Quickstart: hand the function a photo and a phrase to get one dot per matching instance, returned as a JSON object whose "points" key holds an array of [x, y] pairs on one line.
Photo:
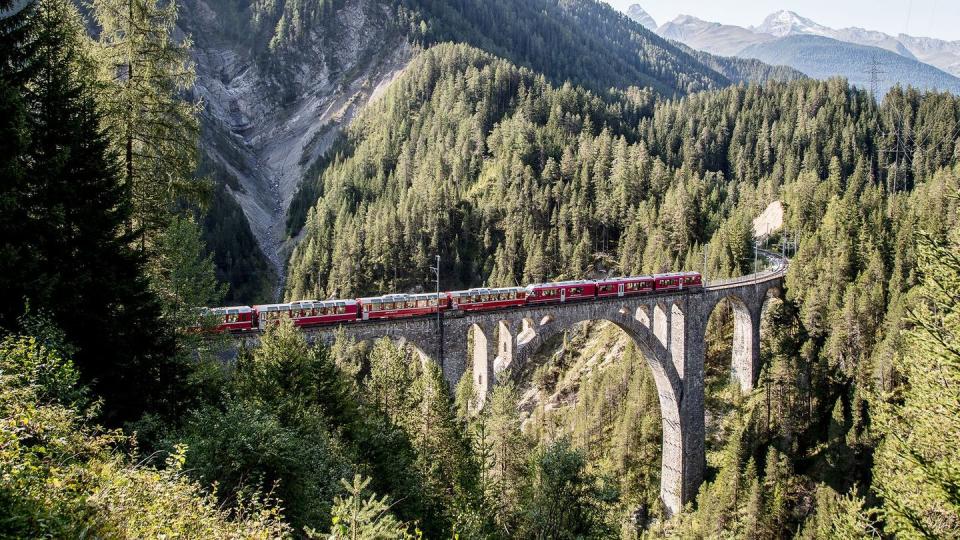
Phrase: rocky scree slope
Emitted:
{"points": [[274, 99], [281, 78]]}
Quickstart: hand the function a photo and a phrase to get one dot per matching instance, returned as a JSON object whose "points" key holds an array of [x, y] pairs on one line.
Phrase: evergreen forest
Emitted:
{"points": [[123, 416]]}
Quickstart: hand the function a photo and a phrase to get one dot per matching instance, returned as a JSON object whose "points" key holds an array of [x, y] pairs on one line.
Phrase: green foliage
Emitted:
{"points": [[359, 518], [143, 72], [182, 273], [916, 465], [66, 478], [63, 251], [563, 499], [275, 429]]}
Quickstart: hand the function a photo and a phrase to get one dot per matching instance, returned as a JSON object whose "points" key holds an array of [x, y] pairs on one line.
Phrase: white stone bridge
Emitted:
{"points": [[669, 329]]}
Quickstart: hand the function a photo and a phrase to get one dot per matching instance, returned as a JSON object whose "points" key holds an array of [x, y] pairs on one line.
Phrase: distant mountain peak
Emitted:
{"points": [[640, 15], [785, 23]]}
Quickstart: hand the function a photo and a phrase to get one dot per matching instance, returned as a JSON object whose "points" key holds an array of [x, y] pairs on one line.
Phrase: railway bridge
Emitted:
{"points": [[669, 329]]}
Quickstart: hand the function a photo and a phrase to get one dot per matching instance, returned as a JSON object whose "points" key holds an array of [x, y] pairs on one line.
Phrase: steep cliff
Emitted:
{"points": [[274, 98]]}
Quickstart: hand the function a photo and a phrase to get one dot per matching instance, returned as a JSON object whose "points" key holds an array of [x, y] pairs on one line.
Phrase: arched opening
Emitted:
{"points": [[730, 363], [643, 316], [611, 387], [528, 331], [481, 363], [660, 327]]}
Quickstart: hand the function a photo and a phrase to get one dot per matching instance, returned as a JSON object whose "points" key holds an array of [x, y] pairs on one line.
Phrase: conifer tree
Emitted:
{"points": [[916, 463], [145, 76], [359, 516], [76, 265]]}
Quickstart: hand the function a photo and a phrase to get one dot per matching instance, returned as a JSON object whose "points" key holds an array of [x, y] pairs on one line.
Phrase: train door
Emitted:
{"points": [[563, 294], [619, 289], [364, 309]]}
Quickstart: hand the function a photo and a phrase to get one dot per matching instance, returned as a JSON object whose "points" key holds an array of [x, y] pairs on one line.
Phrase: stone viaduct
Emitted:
{"points": [[669, 329]]}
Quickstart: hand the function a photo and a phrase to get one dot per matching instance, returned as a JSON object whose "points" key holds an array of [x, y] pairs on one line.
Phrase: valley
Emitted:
{"points": [[488, 269]]}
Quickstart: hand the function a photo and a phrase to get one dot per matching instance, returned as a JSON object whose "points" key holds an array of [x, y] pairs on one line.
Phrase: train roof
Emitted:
{"points": [[569, 283], [485, 290], [305, 304], [231, 309], [621, 279], [399, 298], [322, 303]]}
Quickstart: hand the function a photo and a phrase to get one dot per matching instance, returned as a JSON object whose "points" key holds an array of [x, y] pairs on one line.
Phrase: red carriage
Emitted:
{"points": [[393, 306], [231, 319], [484, 299], [564, 291]]}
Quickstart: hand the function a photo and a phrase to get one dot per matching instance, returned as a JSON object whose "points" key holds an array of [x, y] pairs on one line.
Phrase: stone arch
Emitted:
{"points": [[745, 357], [506, 342], [682, 458], [482, 359], [642, 315]]}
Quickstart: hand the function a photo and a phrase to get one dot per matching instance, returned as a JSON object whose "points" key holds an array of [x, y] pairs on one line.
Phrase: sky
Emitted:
{"points": [[926, 18]]}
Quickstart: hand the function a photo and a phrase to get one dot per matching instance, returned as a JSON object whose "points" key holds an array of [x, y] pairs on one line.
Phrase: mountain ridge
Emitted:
{"points": [[719, 38], [788, 38]]}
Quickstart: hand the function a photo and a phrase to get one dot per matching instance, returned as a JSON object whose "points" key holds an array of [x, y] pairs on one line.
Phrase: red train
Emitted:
{"points": [[400, 306]]}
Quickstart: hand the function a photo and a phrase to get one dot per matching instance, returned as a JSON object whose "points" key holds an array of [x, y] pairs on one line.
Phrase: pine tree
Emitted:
{"points": [[358, 516], [145, 74], [77, 266], [182, 274], [916, 463]]}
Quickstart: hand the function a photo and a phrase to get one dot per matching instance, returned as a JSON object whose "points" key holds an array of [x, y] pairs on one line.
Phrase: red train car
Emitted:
{"points": [[268, 314], [232, 319], [679, 281], [484, 299], [625, 286], [564, 291], [393, 306], [312, 312]]}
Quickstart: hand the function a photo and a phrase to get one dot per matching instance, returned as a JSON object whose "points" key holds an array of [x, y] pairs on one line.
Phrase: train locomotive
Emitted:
{"points": [[306, 313]]}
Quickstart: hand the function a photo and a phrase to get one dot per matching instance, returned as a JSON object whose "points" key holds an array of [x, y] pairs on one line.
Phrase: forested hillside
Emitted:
{"points": [[279, 80], [516, 180], [120, 418]]}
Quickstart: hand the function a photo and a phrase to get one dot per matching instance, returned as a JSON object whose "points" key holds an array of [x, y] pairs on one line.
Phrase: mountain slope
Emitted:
{"points": [[822, 58], [584, 41], [281, 79], [716, 38], [744, 70], [638, 14]]}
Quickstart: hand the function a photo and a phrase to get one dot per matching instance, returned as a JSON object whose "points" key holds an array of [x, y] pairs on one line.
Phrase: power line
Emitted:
{"points": [[875, 71]]}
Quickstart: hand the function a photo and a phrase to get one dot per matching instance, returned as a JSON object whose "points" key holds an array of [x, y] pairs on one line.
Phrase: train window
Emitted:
{"points": [[433, 302], [411, 303]]}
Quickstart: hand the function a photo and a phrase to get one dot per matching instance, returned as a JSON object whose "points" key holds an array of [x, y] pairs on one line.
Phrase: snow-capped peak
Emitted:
{"points": [[640, 15], [785, 23]]}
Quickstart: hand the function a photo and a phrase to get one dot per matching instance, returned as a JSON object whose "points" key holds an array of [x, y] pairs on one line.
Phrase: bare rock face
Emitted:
{"points": [[270, 113]]}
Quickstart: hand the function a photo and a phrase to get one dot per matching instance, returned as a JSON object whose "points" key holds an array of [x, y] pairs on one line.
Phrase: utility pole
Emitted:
{"points": [[436, 270], [754, 261], [705, 246]]}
